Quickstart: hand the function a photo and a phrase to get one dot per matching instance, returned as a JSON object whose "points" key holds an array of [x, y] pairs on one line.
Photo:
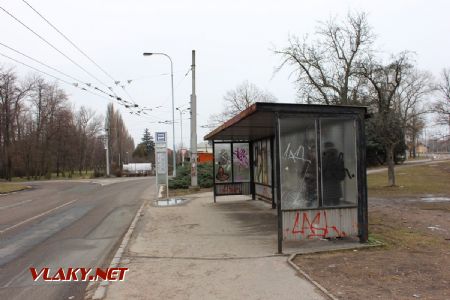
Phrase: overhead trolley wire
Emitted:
{"points": [[121, 101], [31, 67], [82, 52], [62, 73], [67, 39], [62, 80], [52, 46], [53, 76], [44, 64]]}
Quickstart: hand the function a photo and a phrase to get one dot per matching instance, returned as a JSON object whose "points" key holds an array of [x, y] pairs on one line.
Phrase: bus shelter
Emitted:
{"points": [[307, 160]]}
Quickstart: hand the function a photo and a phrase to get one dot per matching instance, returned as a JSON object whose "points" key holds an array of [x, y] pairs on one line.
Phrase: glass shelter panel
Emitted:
{"points": [[222, 167], [298, 163], [241, 162], [338, 160], [262, 162]]}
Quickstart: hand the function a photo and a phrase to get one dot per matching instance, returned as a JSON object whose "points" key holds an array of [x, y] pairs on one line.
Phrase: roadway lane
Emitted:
{"points": [[64, 224]]}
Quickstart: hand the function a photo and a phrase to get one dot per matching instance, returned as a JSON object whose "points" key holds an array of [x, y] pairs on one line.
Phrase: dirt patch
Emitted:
{"points": [[413, 264]]}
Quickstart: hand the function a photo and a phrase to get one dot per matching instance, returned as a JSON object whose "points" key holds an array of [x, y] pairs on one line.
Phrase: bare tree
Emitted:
{"points": [[326, 68], [384, 82], [11, 96], [442, 106], [83, 119], [41, 133], [240, 99], [120, 141], [413, 92], [413, 129]]}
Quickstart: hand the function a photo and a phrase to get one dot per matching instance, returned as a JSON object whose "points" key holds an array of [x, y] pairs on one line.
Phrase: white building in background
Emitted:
{"points": [[137, 168]]}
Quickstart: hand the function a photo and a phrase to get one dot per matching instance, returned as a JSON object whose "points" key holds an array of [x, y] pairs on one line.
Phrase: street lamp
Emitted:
{"points": [[181, 123], [173, 109]]}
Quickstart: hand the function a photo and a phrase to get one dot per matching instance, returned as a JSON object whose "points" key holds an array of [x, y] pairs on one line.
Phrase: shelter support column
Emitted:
{"points": [[273, 164], [214, 171], [252, 171], [276, 151], [363, 215]]}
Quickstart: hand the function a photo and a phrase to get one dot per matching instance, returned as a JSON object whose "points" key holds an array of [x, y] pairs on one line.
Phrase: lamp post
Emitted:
{"points": [[173, 109], [181, 133]]}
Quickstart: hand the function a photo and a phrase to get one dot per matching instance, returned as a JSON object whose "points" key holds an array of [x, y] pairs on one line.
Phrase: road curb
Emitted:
{"points": [[315, 283], [304, 274], [100, 291]]}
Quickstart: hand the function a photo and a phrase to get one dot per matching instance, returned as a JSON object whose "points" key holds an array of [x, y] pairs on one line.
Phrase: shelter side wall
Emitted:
{"points": [[263, 192], [320, 223]]}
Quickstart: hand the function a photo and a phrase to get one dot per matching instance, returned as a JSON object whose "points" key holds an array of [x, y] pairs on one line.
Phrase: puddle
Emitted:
{"points": [[170, 202], [433, 228], [435, 199]]}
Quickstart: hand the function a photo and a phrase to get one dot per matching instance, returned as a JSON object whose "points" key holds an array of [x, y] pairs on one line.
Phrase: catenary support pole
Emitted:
{"points": [[181, 134], [194, 182], [107, 151]]}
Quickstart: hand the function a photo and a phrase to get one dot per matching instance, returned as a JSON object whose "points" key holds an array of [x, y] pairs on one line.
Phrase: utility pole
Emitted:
{"points": [[107, 151], [181, 133], [194, 182]]}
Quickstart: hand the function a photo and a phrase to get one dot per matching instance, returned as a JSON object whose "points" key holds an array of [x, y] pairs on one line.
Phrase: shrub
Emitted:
{"points": [[205, 175], [183, 178]]}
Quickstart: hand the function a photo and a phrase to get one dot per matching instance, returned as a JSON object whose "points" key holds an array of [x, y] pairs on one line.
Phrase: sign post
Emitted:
{"points": [[161, 160]]}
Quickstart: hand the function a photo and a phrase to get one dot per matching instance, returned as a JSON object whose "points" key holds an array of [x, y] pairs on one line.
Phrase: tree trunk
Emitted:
{"points": [[57, 164], [7, 142], [391, 165]]}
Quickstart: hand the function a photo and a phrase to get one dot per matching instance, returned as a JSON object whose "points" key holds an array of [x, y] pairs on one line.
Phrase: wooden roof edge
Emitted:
{"points": [[236, 119]]}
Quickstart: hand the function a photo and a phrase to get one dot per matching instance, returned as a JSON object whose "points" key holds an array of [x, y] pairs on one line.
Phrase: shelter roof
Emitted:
{"points": [[257, 121]]}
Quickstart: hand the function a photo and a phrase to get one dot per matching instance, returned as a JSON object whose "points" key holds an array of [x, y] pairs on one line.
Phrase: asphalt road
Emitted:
{"points": [[64, 224]]}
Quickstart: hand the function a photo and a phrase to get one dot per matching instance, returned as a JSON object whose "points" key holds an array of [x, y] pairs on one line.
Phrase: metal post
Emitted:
{"points": [[167, 179], [107, 151], [194, 182], [181, 134], [273, 164], [278, 183], [214, 171], [363, 215], [252, 171]]}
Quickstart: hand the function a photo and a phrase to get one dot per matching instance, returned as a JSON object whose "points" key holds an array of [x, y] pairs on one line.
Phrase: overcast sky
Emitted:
{"points": [[233, 41]]}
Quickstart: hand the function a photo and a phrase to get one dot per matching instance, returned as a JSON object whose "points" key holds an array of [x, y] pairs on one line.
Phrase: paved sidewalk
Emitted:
{"points": [[202, 250]]}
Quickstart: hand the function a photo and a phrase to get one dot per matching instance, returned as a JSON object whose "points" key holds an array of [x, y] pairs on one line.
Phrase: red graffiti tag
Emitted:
{"points": [[314, 228]]}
